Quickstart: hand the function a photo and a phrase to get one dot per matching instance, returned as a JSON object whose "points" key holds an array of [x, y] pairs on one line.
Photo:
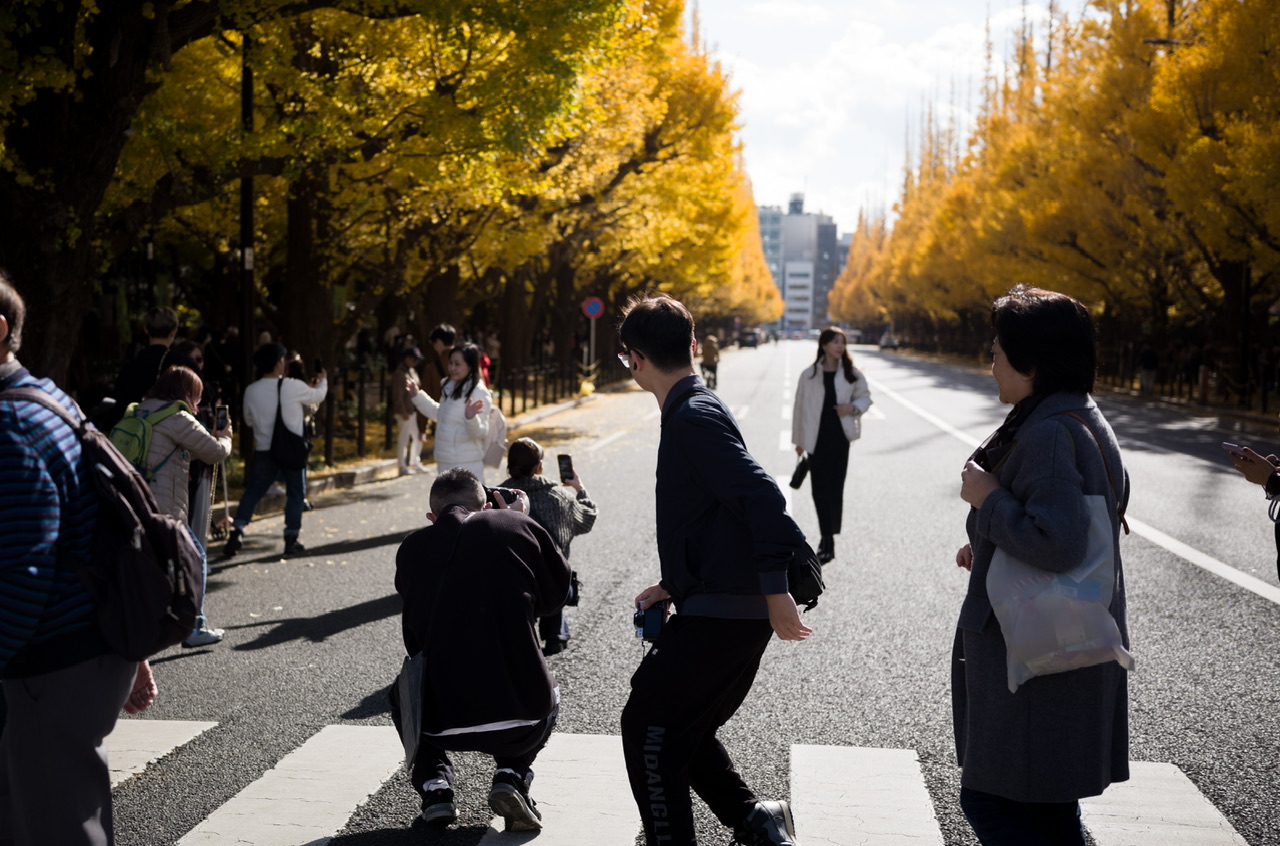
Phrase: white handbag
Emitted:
{"points": [[1055, 622]]}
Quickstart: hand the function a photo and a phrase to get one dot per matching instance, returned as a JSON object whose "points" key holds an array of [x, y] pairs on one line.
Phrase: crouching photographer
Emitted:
{"points": [[472, 583]]}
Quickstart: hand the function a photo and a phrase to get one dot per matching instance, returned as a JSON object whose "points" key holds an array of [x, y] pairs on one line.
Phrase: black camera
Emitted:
{"points": [[648, 621], [508, 496], [575, 588]]}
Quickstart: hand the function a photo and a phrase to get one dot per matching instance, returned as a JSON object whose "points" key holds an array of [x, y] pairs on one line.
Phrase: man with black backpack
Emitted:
{"points": [[63, 684]]}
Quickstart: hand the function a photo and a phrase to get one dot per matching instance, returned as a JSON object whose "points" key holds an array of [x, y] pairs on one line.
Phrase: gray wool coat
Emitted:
{"points": [[1059, 737]]}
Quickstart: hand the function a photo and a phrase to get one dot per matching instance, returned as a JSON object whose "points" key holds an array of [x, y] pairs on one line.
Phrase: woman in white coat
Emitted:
{"points": [[461, 415], [831, 397]]}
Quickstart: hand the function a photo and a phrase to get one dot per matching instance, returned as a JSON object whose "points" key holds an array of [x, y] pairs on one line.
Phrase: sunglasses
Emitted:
{"points": [[625, 357]]}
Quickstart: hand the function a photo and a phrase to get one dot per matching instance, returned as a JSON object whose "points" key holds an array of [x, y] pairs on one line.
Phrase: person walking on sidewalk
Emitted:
{"points": [[261, 400], [461, 415], [472, 583], [404, 384], [826, 419], [175, 441], [724, 543]]}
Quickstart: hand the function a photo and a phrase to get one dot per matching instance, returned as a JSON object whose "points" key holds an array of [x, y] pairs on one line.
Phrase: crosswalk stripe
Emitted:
{"points": [[134, 744], [1158, 806], [844, 796], [310, 794], [586, 798]]}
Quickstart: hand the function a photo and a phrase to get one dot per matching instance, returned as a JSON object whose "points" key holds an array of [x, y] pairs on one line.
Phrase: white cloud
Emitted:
{"points": [[831, 100]]}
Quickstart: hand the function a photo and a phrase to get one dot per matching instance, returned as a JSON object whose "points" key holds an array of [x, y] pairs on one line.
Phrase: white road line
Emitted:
{"points": [[310, 794], [582, 790], [1187, 553], [786, 410], [134, 744], [784, 441], [1158, 806], [874, 413], [604, 442], [742, 412], [842, 796], [652, 414]]}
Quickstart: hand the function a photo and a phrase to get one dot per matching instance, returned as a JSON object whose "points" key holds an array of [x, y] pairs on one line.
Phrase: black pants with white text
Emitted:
{"points": [[693, 680]]}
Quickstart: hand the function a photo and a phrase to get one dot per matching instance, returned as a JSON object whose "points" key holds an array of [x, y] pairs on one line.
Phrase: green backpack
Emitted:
{"points": [[132, 435]]}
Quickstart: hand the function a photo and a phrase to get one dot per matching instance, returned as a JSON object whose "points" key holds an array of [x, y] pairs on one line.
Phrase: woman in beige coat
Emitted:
{"points": [[831, 397], [175, 440]]}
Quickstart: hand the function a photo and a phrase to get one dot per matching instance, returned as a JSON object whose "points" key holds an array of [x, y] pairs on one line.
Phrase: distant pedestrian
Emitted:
{"points": [[175, 442], [404, 384], [831, 397], [472, 583], [63, 687], [261, 399], [710, 360], [1027, 758], [725, 540], [561, 513], [436, 369], [461, 415], [138, 375]]}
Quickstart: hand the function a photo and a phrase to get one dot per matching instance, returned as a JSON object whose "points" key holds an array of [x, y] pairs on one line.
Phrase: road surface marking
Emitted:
{"points": [[1187, 553], [310, 794], [1158, 806], [604, 442], [134, 744], [843, 796], [581, 788], [742, 412]]}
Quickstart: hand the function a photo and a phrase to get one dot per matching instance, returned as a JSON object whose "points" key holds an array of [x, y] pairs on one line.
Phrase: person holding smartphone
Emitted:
{"points": [[563, 515], [1261, 471]]}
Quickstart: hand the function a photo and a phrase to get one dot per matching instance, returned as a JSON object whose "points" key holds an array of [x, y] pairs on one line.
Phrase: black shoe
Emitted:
{"points": [[294, 548], [234, 542], [826, 549], [509, 798], [438, 807], [553, 647], [308, 505], [768, 824]]}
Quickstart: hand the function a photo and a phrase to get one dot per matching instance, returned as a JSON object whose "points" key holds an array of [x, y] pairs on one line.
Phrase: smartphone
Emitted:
{"points": [[1232, 448], [317, 366], [566, 467], [220, 418]]}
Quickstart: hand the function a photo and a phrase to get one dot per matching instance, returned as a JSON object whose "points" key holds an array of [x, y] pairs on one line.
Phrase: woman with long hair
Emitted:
{"points": [[1028, 757], [176, 439], [461, 415], [831, 397]]}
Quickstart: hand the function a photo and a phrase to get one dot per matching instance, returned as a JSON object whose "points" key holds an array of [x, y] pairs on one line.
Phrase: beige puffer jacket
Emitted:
{"points": [[180, 437]]}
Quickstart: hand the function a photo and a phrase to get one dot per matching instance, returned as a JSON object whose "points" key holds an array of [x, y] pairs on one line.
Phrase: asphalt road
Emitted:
{"points": [[315, 641]]}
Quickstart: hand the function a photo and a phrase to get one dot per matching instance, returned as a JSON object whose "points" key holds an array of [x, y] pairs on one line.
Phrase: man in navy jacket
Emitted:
{"points": [[724, 542]]}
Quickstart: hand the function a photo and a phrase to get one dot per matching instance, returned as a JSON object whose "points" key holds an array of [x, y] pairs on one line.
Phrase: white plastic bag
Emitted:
{"points": [[1054, 622]]}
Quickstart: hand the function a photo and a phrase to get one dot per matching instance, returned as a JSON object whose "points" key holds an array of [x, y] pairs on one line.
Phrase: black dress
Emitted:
{"points": [[829, 462]]}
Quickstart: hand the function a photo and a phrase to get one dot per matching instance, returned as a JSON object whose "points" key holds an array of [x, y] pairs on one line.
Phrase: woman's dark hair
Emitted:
{"points": [[828, 335], [523, 457], [661, 329], [444, 333], [471, 355], [1047, 334], [177, 383]]}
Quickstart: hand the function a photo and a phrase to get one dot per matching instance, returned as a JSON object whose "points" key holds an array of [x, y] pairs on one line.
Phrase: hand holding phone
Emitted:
{"points": [[221, 418], [1234, 449], [566, 467]]}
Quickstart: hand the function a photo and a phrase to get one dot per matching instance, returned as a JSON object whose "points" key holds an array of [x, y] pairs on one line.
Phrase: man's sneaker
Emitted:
{"points": [[438, 807], [768, 824], [234, 541], [204, 637], [294, 548], [509, 799]]}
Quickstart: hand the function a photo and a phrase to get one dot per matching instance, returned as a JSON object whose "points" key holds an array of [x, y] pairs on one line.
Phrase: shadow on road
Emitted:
{"points": [[317, 629]]}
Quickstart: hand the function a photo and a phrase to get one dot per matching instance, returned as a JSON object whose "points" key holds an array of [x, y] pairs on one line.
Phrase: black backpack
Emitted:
{"points": [[145, 574]]}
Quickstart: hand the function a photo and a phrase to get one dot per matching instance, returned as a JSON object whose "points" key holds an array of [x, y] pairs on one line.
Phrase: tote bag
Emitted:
{"points": [[288, 451], [1055, 622]]}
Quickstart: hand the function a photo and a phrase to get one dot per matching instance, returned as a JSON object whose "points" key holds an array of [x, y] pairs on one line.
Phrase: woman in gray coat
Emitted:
{"points": [[1028, 757]]}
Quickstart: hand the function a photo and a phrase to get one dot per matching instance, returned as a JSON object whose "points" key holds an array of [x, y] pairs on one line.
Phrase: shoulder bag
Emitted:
{"points": [[1055, 622], [288, 451]]}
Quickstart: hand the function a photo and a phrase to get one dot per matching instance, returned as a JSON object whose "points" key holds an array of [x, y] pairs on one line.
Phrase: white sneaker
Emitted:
{"points": [[204, 637]]}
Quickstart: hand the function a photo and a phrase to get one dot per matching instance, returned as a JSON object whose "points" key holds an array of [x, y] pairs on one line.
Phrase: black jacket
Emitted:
{"points": [[474, 615], [724, 535]]}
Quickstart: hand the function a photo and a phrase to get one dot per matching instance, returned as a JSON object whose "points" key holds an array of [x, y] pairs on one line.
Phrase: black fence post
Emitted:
{"points": [[329, 405], [360, 412]]}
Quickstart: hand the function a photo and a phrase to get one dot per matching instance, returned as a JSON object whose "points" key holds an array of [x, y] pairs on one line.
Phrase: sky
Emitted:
{"points": [[833, 92]]}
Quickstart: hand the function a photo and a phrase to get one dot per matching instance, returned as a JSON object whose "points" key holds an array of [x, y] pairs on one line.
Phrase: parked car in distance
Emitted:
{"points": [[749, 338], [888, 341]]}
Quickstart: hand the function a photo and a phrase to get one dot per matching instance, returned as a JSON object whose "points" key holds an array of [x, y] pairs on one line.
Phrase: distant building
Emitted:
{"points": [[804, 255]]}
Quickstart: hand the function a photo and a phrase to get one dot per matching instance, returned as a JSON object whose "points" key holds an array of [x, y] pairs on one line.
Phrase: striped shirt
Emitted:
{"points": [[48, 510]]}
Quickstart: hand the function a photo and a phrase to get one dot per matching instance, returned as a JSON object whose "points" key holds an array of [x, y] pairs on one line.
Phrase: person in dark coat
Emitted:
{"points": [[474, 584], [138, 375], [1028, 757]]}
